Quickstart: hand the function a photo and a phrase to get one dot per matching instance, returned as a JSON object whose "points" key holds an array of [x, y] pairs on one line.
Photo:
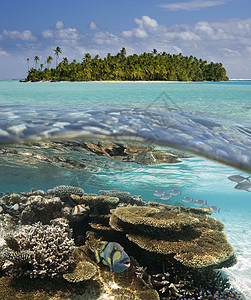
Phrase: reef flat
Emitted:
{"points": [[56, 153], [48, 252]]}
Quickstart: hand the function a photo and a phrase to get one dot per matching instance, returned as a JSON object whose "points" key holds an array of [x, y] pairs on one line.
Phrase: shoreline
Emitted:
{"points": [[123, 81]]}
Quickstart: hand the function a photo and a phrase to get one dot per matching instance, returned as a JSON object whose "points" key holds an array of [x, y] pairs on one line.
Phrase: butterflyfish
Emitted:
{"points": [[79, 209]]}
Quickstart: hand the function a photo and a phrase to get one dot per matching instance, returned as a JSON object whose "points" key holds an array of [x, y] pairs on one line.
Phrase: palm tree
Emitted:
{"points": [[123, 52], [87, 57], [28, 61], [49, 60], [36, 59], [57, 51]]}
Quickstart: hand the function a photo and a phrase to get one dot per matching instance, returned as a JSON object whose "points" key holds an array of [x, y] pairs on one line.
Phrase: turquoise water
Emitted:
{"points": [[204, 119], [231, 99], [224, 108]]}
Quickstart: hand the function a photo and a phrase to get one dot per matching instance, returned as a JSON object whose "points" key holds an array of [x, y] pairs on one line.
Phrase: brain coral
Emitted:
{"points": [[44, 250]]}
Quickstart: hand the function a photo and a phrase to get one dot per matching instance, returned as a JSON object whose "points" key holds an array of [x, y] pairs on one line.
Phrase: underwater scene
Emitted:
{"points": [[125, 190]]}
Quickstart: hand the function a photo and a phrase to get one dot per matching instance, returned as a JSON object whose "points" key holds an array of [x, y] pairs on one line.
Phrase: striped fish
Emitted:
{"points": [[79, 209], [112, 255]]}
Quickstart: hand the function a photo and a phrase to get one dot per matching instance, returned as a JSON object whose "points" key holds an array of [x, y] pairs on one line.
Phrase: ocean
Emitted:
{"points": [[136, 137]]}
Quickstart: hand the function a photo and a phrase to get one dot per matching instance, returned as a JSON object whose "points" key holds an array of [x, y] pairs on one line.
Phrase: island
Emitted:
{"points": [[152, 66]]}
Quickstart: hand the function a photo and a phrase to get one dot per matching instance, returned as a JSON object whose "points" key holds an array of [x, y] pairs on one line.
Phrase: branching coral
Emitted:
{"points": [[43, 250], [63, 191], [178, 282], [41, 209]]}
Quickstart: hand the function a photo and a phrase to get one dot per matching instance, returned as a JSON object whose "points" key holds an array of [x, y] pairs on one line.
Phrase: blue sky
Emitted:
{"points": [[214, 30]]}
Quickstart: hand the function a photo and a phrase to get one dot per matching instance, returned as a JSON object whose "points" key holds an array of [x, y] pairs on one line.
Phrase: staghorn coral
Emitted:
{"points": [[194, 240], [174, 281], [222, 293], [17, 257], [44, 250]]}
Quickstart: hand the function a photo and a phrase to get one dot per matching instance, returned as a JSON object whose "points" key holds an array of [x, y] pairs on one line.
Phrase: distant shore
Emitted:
{"points": [[122, 81]]}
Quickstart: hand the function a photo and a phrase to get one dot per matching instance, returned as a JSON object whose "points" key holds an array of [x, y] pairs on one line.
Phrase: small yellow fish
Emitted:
{"points": [[79, 209]]}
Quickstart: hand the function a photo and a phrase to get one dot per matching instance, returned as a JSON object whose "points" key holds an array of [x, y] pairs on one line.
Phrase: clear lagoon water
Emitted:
{"points": [[210, 122]]}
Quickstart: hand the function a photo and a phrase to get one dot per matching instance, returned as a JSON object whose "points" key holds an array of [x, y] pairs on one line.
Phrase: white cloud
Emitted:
{"points": [[59, 25], [189, 36], [67, 34], [105, 38], [248, 50], [230, 52], [3, 53], [127, 33], [48, 34], [25, 35], [147, 23], [61, 33], [140, 33], [193, 4], [93, 26], [204, 28], [228, 42]]}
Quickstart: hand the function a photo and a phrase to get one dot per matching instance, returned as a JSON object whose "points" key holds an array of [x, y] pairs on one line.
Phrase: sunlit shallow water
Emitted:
{"points": [[207, 119]]}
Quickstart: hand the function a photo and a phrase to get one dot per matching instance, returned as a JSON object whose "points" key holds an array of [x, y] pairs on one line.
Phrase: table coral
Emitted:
{"points": [[84, 270], [194, 240]]}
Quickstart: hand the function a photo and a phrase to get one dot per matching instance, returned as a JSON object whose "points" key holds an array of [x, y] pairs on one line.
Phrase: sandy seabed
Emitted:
{"points": [[238, 230]]}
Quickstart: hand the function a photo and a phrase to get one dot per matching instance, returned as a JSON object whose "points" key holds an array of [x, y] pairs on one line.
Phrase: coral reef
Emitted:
{"points": [[64, 191], [84, 270], [177, 282], [34, 154], [194, 240], [41, 209], [14, 198], [196, 210], [98, 203], [23, 288], [123, 285], [40, 250], [124, 197], [139, 154], [173, 250]]}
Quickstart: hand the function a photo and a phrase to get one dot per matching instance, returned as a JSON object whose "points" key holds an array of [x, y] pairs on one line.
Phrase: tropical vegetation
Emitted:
{"points": [[146, 66]]}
